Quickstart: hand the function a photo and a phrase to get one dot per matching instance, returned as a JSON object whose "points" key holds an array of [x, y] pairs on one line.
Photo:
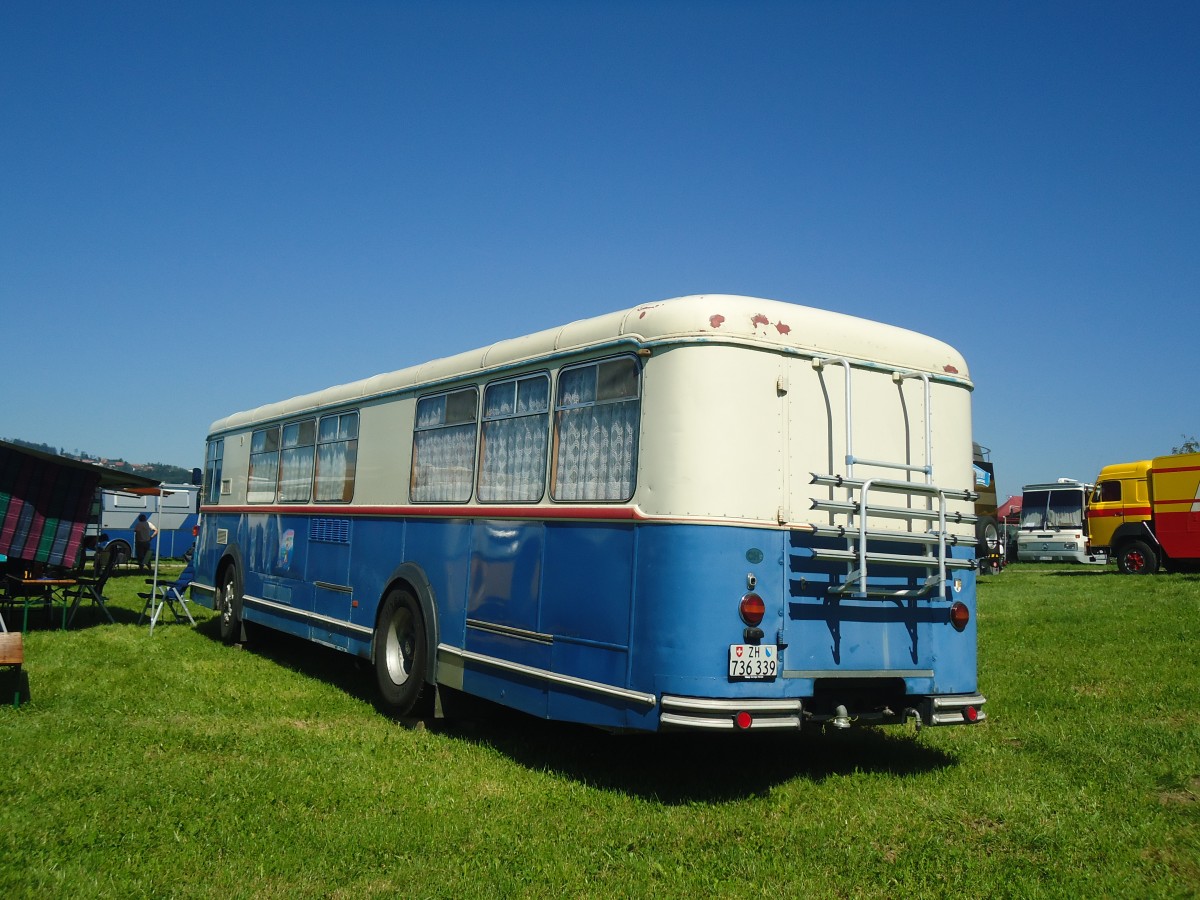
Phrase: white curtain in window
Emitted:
{"points": [[514, 462], [335, 470], [596, 452], [296, 479], [445, 460], [264, 472], [1065, 510]]}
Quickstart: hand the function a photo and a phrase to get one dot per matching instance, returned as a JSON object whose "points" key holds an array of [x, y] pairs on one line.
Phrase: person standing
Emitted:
{"points": [[143, 533]]}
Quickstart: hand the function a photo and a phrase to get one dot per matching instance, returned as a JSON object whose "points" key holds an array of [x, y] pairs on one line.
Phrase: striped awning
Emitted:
{"points": [[46, 502]]}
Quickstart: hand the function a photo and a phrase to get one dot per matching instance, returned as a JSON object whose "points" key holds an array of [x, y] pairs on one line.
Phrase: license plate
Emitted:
{"points": [[753, 661]]}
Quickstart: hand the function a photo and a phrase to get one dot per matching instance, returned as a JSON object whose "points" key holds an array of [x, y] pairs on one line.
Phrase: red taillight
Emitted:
{"points": [[752, 609], [971, 714], [743, 720], [959, 615], [195, 531]]}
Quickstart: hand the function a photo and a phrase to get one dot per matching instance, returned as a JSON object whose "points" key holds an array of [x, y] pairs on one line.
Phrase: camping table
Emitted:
{"points": [[48, 588]]}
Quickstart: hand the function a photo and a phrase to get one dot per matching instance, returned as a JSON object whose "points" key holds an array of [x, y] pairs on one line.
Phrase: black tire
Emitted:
{"points": [[1137, 558], [401, 652], [229, 605], [120, 553], [988, 543]]}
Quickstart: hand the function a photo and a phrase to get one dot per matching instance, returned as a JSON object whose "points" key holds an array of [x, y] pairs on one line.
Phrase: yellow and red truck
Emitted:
{"points": [[1146, 514]]}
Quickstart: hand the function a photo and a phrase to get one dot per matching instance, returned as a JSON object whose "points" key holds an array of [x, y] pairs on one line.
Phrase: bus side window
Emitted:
{"points": [[443, 459], [296, 461], [337, 457], [596, 431], [213, 456], [264, 465], [516, 424]]}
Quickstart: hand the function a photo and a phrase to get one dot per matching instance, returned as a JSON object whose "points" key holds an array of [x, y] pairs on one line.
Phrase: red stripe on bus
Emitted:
{"points": [[442, 512]]}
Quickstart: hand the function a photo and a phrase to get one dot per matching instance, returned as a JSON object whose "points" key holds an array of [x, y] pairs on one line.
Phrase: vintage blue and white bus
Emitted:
{"points": [[710, 513]]}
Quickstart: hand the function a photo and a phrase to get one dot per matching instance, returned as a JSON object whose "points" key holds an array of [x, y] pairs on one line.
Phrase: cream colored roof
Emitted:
{"points": [[716, 317]]}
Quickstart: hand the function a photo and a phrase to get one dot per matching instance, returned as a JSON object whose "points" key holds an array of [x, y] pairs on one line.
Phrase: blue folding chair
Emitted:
{"points": [[173, 596]]}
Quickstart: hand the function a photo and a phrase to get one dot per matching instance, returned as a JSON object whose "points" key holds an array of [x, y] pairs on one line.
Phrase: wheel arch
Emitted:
{"points": [[411, 576], [1135, 531], [120, 544], [232, 558]]}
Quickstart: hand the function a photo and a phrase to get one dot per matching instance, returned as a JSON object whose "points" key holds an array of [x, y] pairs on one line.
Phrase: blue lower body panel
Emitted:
{"points": [[623, 625]]}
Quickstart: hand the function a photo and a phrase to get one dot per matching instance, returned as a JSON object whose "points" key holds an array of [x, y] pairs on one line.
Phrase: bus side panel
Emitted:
{"points": [[588, 574], [379, 547], [690, 580], [502, 595], [586, 606], [257, 538], [272, 575], [564, 589], [208, 555], [328, 571], [442, 548], [518, 691], [506, 573], [603, 664]]}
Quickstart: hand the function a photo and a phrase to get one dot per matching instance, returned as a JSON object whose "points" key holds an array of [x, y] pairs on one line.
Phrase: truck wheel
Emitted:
{"points": [[400, 654], [1137, 558]]}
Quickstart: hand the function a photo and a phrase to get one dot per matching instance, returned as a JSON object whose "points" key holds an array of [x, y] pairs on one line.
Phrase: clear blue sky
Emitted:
{"points": [[209, 206]]}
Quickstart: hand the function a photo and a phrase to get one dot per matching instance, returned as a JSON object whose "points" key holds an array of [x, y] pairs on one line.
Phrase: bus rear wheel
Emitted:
{"points": [[1137, 558], [401, 652]]}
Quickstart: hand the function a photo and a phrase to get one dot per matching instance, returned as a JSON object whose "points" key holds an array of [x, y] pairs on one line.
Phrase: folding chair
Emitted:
{"points": [[168, 595], [93, 588]]}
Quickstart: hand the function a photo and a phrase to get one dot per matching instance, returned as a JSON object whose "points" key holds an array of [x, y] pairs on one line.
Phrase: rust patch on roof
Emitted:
{"points": [[950, 370], [715, 321], [780, 327]]}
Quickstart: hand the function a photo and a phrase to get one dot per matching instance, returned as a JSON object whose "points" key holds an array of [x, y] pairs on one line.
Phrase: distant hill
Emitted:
{"points": [[158, 471]]}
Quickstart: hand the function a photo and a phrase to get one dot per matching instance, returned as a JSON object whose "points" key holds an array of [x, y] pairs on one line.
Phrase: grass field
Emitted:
{"points": [[174, 766]]}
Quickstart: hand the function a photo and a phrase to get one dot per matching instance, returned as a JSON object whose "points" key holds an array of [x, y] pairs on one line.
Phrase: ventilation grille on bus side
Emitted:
{"points": [[331, 531]]}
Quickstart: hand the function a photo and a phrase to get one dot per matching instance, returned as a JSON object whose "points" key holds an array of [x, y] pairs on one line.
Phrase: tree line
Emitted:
{"points": [[163, 472]]}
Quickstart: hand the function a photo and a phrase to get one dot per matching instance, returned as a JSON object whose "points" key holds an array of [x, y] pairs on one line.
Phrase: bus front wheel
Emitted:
{"points": [[400, 654], [1137, 558], [230, 607]]}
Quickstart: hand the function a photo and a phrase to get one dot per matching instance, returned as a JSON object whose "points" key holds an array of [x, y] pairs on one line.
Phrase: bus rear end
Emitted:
{"points": [[825, 555]]}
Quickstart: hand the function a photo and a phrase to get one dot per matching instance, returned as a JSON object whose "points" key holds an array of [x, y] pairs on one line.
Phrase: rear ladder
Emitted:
{"points": [[858, 555]]}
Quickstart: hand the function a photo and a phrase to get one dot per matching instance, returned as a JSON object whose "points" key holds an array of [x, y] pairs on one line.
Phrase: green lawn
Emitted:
{"points": [[172, 765]]}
